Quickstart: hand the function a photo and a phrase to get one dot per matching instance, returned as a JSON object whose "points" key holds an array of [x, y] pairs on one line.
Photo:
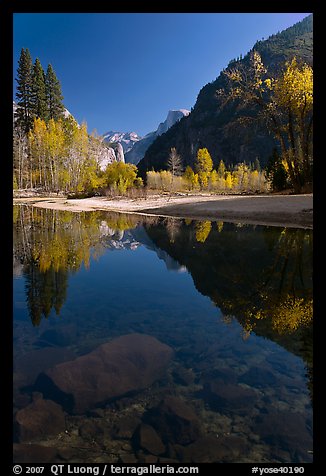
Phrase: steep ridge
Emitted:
{"points": [[140, 147], [208, 125]]}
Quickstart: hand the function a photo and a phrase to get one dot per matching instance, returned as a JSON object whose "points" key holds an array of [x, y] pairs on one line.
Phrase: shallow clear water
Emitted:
{"points": [[233, 302]]}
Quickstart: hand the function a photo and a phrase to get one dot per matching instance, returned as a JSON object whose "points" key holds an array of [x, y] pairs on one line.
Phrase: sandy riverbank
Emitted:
{"points": [[278, 210]]}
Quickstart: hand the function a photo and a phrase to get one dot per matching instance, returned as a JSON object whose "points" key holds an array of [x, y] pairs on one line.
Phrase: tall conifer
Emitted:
{"points": [[24, 113], [39, 106], [53, 94]]}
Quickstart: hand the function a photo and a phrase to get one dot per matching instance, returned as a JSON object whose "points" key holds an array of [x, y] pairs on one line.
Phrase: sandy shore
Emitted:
{"points": [[278, 210]]}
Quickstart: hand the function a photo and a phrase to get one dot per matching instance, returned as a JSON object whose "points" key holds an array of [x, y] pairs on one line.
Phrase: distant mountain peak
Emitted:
{"points": [[126, 139], [139, 149], [135, 146], [174, 115]]}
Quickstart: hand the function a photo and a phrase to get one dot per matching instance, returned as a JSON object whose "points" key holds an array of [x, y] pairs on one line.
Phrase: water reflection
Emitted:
{"points": [[50, 245], [100, 274], [265, 275], [262, 278]]}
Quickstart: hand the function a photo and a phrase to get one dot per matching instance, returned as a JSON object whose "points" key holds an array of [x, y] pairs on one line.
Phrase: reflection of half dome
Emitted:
{"points": [[104, 229], [182, 269]]}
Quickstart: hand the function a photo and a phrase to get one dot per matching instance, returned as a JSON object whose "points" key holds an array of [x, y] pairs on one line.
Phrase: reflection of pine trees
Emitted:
{"points": [[45, 291], [51, 244]]}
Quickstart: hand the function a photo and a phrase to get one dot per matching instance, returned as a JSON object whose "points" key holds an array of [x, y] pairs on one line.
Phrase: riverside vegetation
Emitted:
{"points": [[185, 341], [53, 153], [236, 127]]}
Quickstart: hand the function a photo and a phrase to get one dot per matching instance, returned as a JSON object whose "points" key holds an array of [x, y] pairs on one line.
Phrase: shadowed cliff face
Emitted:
{"points": [[137, 152], [219, 129]]}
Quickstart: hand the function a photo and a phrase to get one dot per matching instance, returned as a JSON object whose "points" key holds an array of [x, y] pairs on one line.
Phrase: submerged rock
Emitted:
{"points": [[91, 430], [23, 453], [174, 420], [183, 376], [209, 449], [39, 419], [258, 377], [126, 364], [227, 396], [125, 427], [147, 438], [127, 458], [30, 365], [284, 429]]}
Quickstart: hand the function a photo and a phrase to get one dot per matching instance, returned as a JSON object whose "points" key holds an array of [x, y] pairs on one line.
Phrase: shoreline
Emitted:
{"points": [[275, 210]]}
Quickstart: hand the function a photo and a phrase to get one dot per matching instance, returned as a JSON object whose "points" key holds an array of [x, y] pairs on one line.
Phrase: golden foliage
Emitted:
{"points": [[286, 103], [203, 229], [294, 89], [291, 314], [120, 176], [204, 165]]}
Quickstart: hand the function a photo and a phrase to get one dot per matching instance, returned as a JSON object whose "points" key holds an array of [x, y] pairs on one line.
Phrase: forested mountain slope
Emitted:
{"points": [[216, 128]]}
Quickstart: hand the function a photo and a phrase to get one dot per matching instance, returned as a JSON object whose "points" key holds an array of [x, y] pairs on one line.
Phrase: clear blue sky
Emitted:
{"points": [[124, 71]]}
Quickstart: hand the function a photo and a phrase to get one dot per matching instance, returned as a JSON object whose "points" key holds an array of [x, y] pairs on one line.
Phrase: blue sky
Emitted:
{"points": [[124, 71]]}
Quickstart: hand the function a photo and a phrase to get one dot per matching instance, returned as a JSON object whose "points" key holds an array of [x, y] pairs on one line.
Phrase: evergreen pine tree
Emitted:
{"points": [[53, 94], [24, 112], [39, 106]]}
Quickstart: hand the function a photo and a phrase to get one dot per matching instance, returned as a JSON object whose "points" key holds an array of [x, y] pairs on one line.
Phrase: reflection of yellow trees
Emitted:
{"points": [[52, 243], [122, 222], [15, 214], [286, 316], [292, 314], [203, 229], [219, 225], [63, 241], [279, 298]]}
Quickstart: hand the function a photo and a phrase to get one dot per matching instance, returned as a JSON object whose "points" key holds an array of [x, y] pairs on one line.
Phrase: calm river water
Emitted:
{"points": [[229, 306]]}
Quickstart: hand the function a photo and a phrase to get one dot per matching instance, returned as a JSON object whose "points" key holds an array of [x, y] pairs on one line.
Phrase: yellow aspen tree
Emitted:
{"points": [[190, 178], [204, 165], [221, 169], [166, 180], [36, 138], [292, 92], [78, 154], [153, 180], [241, 173], [213, 180], [55, 149], [228, 180], [286, 103], [254, 180]]}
